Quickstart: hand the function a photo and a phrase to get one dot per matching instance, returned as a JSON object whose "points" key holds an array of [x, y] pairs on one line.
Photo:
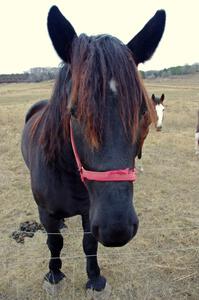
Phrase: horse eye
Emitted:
{"points": [[73, 111]]}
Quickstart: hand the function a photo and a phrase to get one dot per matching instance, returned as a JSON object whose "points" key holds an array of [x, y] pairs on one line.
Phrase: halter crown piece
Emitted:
{"points": [[112, 175]]}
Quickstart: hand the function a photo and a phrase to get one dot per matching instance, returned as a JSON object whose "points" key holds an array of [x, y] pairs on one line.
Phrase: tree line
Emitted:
{"points": [[33, 75], [43, 74], [173, 71]]}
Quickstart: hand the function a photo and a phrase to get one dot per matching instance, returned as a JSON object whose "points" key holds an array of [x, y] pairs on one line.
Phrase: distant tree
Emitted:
{"points": [[173, 71]]}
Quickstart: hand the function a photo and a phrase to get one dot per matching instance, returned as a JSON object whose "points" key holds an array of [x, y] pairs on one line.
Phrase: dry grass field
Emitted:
{"points": [[162, 262]]}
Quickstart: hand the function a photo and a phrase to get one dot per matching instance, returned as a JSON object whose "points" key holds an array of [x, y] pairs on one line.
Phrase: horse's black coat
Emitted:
{"points": [[35, 108], [82, 93]]}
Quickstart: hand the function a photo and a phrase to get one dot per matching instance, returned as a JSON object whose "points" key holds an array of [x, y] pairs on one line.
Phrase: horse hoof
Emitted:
{"points": [[53, 289], [99, 295], [54, 277], [97, 284]]}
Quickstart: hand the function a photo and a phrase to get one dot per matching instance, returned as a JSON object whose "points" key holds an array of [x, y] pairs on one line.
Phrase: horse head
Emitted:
{"points": [[159, 107]]}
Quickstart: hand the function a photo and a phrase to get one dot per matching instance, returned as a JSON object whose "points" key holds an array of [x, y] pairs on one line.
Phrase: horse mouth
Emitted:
{"points": [[117, 239], [114, 244]]}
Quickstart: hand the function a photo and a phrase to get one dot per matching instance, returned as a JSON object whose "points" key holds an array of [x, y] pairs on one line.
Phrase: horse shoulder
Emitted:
{"points": [[35, 108]]}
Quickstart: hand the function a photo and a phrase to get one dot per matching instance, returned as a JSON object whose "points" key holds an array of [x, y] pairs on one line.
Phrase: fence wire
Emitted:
{"points": [[78, 231]]}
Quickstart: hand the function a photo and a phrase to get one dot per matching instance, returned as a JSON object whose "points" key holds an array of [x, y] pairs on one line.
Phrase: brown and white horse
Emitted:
{"points": [[159, 107]]}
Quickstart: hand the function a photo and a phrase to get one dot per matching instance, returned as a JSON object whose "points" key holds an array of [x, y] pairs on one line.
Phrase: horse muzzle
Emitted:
{"points": [[115, 234], [159, 128]]}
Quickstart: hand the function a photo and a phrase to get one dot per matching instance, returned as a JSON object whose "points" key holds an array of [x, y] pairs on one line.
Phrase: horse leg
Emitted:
{"points": [[90, 244], [55, 244]]}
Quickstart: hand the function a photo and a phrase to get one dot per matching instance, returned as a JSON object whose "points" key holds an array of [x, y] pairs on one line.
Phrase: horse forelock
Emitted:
{"points": [[97, 62]]}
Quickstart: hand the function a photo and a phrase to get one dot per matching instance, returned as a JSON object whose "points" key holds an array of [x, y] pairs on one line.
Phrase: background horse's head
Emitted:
{"points": [[105, 96], [159, 107]]}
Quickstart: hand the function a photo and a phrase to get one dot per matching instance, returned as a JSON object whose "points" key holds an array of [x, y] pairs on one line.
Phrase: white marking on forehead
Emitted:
{"points": [[112, 85], [159, 107], [160, 114]]}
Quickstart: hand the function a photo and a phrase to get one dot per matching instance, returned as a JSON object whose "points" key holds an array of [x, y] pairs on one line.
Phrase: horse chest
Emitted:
{"points": [[65, 194]]}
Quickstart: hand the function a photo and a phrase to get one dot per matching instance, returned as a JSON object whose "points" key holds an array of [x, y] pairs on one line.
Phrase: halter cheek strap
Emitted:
{"points": [[113, 175]]}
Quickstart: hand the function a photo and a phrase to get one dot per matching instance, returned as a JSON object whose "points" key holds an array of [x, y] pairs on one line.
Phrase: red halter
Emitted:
{"points": [[113, 175]]}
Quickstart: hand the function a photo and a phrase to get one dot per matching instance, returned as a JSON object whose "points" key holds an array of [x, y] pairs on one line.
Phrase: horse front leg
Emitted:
{"points": [[55, 245], [96, 281]]}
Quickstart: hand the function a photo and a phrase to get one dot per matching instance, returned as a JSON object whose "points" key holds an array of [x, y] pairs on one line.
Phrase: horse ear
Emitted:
{"points": [[146, 41], [153, 97], [162, 98], [61, 33]]}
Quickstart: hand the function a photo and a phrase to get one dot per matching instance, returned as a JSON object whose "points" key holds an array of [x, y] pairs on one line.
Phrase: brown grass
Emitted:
{"points": [[162, 262]]}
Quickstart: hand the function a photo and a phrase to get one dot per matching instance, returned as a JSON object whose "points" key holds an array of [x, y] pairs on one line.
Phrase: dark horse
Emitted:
{"points": [[81, 145]]}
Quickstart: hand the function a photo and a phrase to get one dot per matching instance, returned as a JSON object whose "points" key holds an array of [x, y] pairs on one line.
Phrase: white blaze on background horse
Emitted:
{"points": [[159, 107], [197, 135]]}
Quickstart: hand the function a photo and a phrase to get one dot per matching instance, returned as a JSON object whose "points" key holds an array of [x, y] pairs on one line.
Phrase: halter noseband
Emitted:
{"points": [[113, 175]]}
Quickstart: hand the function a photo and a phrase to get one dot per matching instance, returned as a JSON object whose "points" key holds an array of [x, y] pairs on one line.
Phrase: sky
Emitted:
{"points": [[24, 40]]}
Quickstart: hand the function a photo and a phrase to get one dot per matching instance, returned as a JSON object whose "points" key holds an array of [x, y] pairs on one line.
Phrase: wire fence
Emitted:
{"points": [[79, 230], [118, 251], [145, 260], [120, 254]]}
